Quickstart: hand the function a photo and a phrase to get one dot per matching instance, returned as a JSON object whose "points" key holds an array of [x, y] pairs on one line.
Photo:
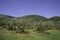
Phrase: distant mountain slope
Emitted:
{"points": [[55, 18], [28, 18], [33, 18], [5, 16]]}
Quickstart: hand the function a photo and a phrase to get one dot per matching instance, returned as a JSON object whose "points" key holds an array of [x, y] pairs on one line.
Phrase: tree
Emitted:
{"points": [[41, 27]]}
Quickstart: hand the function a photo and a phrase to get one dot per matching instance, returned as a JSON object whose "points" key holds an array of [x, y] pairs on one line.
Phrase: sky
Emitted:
{"points": [[46, 8]]}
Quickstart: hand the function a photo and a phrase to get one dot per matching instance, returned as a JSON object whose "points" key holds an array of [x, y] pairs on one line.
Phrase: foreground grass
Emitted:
{"points": [[12, 35]]}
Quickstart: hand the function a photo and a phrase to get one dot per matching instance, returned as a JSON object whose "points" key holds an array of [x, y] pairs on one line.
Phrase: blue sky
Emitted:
{"points": [[46, 8]]}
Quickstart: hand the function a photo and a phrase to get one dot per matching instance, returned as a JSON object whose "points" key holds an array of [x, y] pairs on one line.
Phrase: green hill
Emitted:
{"points": [[33, 18], [55, 18], [5, 16]]}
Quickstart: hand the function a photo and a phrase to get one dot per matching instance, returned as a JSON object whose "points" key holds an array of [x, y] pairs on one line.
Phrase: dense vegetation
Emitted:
{"points": [[36, 22], [29, 24]]}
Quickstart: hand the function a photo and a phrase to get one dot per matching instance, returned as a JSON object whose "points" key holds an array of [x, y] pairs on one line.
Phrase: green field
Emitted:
{"points": [[12, 35]]}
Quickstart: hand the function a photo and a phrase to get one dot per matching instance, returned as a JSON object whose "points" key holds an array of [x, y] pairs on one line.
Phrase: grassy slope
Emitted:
{"points": [[11, 35]]}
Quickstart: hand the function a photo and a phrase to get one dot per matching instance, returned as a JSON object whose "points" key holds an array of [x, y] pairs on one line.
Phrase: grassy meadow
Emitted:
{"points": [[12, 35]]}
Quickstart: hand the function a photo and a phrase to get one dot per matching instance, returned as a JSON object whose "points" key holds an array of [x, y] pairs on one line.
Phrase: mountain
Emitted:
{"points": [[33, 18], [5, 16], [55, 18]]}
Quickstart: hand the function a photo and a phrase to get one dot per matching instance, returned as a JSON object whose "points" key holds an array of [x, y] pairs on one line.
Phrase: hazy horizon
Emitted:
{"points": [[18, 8]]}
